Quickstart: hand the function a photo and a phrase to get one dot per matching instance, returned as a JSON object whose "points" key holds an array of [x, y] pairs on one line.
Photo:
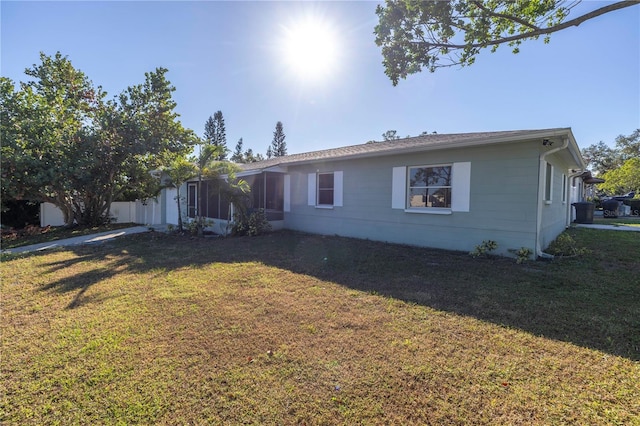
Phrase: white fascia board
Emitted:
{"points": [[274, 169]]}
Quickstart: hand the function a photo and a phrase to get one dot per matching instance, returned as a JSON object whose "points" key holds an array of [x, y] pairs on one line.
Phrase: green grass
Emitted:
{"points": [[14, 239], [290, 328]]}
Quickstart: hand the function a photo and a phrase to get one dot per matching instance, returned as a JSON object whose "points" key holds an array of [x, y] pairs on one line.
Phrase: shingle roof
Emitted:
{"points": [[413, 144]]}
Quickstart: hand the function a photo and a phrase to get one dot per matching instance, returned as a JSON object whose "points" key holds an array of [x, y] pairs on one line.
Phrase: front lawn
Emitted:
{"points": [[290, 328]]}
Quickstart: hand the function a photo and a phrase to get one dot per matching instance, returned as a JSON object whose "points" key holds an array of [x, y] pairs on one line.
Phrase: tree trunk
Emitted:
{"points": [[180, 228]]}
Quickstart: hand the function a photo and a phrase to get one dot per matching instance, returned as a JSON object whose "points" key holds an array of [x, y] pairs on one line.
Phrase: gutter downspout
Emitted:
{"points": [[541, 189]]}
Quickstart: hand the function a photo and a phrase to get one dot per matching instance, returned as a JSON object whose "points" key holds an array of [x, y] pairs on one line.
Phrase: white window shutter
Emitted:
{"points": [[399, 188], [461, 187], [311, 192], [337, 189], [287, 193]]}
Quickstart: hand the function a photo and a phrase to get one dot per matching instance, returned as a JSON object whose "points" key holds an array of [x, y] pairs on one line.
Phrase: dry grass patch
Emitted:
{"points": [[297, 329]]}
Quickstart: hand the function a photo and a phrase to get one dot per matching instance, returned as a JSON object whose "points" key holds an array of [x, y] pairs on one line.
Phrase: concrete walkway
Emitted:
{"points": [[608, 227], [84, 239]]}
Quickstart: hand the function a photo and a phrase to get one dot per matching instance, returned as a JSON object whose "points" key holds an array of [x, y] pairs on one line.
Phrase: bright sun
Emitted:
{"points": [[310, 49]]}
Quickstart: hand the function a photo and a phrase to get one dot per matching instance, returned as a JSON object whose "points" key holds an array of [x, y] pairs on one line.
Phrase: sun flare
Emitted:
{"points": [[310, 49]]}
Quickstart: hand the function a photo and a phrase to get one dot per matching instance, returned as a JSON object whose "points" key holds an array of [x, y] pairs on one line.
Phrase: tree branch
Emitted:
{"points": [[542, 31], [479, 5]]}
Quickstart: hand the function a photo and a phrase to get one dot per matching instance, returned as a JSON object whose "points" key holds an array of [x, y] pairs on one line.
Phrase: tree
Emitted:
{"points": [[63, 143], [238, 156], [417, 34], [601, 158], [210, 169], [390, 135], [278, 146], [215, 133], [179, 171], [249, 157], [623, 179], [629, 146]]}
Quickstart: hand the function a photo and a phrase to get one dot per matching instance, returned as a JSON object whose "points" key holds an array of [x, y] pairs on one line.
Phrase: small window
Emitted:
{"points": [[548, 183], [325, 189], [429, 187], [564, 188]]}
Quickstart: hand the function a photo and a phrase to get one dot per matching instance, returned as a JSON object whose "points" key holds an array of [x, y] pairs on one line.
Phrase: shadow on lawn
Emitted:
{"points": [[592, 301]]}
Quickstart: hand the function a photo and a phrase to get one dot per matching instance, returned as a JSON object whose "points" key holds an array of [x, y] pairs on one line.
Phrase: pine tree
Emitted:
{"points": [[238, 156], [269, 152], [215, 133], [278, 146]]}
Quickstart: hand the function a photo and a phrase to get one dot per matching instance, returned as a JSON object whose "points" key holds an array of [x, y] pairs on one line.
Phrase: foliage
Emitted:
{"points": [[601, 158], [623, 179], [565, 245], [179, 172], [238, 154], [215, 133], [483, 249], [63, 143], [210, 169], [434, 34], [523, 254], [249, 157], [629, 146], [278, 147], [253, 224], [390, 135]]}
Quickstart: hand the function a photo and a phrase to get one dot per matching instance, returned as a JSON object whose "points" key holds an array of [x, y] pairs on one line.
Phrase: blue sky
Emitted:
{"points": [[230, 56]]}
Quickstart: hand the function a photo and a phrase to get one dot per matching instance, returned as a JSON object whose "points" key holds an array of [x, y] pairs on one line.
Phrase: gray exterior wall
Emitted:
{"points": [[555, 213], [503, 200]]}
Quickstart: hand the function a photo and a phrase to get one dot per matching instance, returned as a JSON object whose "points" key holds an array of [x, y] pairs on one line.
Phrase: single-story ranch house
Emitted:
{"points": [[449, 191]]}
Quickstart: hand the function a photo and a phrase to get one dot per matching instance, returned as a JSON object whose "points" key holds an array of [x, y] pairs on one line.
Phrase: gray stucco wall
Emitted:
{"points": [[503, 200]]}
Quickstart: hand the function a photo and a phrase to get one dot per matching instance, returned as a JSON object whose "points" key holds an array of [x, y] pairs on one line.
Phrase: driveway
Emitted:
{"points": [[84, 239]]}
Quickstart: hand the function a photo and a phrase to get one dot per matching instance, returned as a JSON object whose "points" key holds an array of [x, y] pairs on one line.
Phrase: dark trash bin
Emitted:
{"points": [[610, 208], [584, 212]]}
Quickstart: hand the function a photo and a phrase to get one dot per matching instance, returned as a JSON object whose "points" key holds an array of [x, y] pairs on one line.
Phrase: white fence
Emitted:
{"points": [[149, 212]]}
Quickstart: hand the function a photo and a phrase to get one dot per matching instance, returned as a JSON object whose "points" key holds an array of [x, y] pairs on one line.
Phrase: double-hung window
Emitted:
{"points": [[429, 187], [325, 189]]}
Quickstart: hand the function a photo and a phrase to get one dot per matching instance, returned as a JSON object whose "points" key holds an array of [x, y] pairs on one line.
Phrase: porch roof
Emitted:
{"points": [[416, 144]]}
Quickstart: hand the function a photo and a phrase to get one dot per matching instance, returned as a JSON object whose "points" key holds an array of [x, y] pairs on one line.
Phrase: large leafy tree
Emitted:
{"points": [[623, 179], [629, 146], [601, 158], [417, 34], [215, 133], [63, 143]]}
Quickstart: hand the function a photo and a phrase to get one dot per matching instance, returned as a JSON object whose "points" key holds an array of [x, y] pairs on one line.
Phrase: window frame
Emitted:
{"points": [[429, 209], [325, 189], [548, 183]]}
